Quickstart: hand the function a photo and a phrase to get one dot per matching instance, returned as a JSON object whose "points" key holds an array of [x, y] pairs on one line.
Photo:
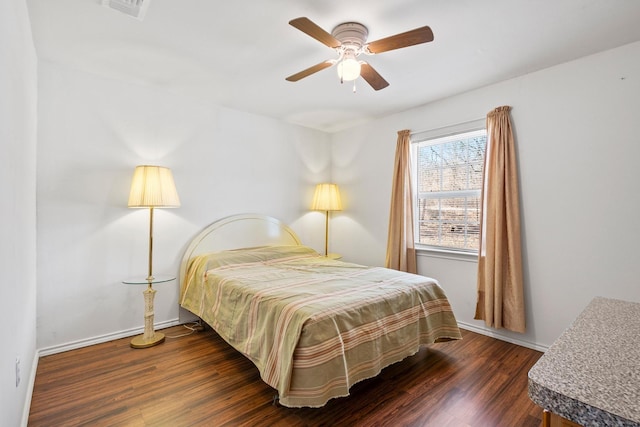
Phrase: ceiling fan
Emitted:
{"points": [[349, 40]]}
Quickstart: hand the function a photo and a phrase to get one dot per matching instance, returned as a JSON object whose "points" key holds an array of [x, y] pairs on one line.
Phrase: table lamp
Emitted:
{"points": [[326, 198]]}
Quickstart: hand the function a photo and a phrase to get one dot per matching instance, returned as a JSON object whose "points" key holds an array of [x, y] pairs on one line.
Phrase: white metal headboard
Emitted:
{"points": [[235, 232]]}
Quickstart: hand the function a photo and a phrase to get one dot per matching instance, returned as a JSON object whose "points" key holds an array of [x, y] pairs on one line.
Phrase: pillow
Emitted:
{"points": [[253, 255]]}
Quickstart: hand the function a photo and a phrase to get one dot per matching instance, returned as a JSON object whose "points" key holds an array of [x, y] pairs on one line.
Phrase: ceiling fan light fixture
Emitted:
{"points": [[349, 40], [348, 68]]}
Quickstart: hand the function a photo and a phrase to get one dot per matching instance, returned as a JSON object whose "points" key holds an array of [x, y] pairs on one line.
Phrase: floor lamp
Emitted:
{"points": [[151, 187], [326, 198]]}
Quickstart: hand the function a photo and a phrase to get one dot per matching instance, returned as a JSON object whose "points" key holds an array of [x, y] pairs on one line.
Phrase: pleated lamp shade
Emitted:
{"points": [[326, 198], [153, 187]]}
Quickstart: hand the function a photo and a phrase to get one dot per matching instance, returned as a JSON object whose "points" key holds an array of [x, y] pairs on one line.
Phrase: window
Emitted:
{"points": [[448, 181]]}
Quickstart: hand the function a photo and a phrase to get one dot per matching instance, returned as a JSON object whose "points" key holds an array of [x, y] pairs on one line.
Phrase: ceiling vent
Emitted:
{"points": [[135, 8]]}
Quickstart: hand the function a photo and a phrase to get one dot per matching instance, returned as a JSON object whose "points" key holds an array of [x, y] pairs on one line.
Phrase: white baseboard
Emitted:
{"points": [[30, 385], [102, 338], [493, 334]]}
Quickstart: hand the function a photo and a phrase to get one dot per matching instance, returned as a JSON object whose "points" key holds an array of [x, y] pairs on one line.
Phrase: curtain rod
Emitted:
{"points": [[447, 126]]}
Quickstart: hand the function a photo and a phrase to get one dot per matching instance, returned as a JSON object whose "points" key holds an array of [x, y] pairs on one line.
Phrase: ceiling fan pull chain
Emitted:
{"points": [[354, 86]]}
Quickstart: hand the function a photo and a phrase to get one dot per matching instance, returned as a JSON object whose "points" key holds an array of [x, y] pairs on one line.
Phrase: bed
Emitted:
{"points": [[313, 326]]}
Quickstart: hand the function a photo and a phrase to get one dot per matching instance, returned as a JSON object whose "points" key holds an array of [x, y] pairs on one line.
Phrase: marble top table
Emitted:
{"points": [[591, 374]]}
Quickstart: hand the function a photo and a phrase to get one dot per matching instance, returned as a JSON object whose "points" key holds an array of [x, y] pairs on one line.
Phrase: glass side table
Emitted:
{"points": [[150, 337]]}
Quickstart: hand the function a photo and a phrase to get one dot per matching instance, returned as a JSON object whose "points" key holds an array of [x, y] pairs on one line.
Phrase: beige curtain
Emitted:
{"points": [[500, 288], [401, 253]]}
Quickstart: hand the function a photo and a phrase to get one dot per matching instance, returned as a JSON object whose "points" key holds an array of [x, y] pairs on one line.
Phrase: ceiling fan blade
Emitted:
{"points": [[372, 77], [308, 27], [409, 38], [311, 70]]}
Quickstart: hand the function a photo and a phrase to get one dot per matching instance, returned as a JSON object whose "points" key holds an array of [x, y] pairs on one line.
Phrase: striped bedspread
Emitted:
{"points": [[311, 325]]}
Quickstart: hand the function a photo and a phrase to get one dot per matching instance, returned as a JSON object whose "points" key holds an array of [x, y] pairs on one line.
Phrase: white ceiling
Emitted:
{"points": [[237, 53]]}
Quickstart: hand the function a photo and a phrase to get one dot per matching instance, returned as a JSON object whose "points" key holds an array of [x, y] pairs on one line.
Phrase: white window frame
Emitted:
{"points": [[439, 136]]}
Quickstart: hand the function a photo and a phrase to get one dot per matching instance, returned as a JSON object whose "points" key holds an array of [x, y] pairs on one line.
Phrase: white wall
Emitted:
{"points": [[578, 151], [93, 131], [18, 101]]}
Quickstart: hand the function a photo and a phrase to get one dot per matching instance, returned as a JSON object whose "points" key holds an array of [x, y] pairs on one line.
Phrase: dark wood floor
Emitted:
{"points": [[199, 380]]}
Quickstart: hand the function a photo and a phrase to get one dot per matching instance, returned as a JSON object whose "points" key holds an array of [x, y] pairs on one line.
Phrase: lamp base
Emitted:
{"points": [[141, 342]]}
